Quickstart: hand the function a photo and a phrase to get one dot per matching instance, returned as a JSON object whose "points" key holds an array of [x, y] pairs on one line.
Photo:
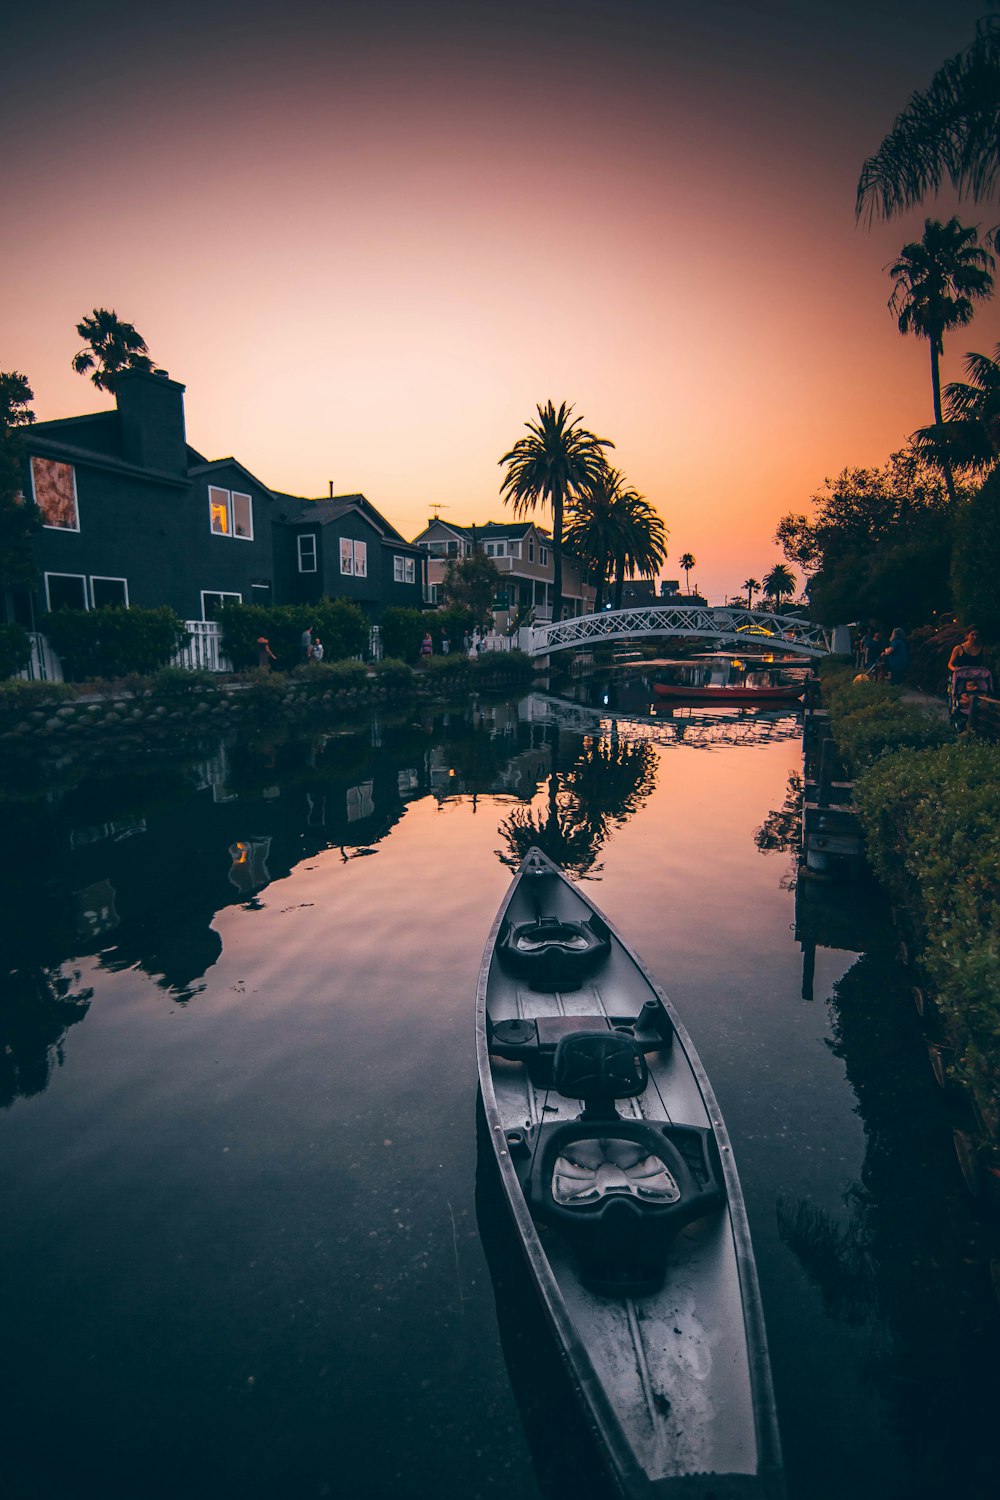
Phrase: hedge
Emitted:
{"points": [[15, 650], [112, 642], [341, 626]]}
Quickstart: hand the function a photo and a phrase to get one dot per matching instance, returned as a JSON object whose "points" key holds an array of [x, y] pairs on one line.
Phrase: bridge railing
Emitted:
{"points": [[716, 623]]}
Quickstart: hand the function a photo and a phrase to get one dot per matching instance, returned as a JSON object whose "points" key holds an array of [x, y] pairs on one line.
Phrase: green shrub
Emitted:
{"points": [[510, 665], [403, 630], [341, 626], [113, 642], [866, 733], [15, 650], [394, 675]]}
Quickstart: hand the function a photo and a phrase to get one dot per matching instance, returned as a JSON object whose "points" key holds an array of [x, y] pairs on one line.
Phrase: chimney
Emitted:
{"points": [[151, 412], [330, 483]]}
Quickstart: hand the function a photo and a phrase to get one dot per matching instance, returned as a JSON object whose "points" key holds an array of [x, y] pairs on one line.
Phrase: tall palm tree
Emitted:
{"points": [[687, 561], [752, 586], [970, 434], [112, 346], [592, 525], [937, 280], [554, 463], [779, 584], [946, 133], [643, 540]]}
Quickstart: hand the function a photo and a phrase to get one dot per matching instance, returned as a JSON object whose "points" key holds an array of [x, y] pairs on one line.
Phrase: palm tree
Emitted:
{"points": [[937, 279], [779, 584], [687, 561], [553, 464], [752, 586], [112, 346], [969, 437], [643, 540], [592, 525], [947, 132]]}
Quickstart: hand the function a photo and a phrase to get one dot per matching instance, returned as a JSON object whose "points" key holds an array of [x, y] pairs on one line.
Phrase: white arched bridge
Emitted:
{"points": [[728, 625]]}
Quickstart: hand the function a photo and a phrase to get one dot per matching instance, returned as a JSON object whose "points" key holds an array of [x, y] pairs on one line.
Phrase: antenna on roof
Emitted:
{"points": [[436, 505]]}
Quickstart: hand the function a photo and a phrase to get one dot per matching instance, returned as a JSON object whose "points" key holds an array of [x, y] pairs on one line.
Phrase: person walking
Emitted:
{"points": [[445, 643], [307, 643], [427, 645], [896, 657], [968, 653], [265, 656], [874, 649]]}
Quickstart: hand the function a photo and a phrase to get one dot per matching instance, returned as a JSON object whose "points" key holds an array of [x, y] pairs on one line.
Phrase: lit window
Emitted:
{"points": [[307, 553], [54, 485], [230, 513], [353, 557]]}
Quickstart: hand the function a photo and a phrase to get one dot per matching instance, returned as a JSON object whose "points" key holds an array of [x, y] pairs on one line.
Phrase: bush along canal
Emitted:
{"points": [[250, 1241]]}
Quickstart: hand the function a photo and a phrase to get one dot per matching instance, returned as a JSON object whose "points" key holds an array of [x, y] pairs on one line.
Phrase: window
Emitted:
{"points": [[307, 552], [496, 549], [108, 591], [230, 513], [452, 549], [353, 557], [54, 485], [514, 548], [543, 556], [531, 551], [212, 603], [402, 569], [66, 590]]}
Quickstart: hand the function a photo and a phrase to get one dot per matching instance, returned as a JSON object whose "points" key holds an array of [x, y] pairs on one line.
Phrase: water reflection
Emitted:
{"points": [[38, 1009]]}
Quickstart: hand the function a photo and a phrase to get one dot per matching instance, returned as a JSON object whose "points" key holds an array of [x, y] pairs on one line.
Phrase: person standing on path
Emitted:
{"points": [[896, 657], [307, 643], [265, 656], [427, 645], [317, 649]]}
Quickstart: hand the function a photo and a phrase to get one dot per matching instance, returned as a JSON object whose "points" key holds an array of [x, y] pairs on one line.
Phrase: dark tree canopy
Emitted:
{"points": [[111, 347], [18, 517]]}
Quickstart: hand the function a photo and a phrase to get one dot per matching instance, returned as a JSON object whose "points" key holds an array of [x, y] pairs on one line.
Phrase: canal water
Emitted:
{"points": [[250, 1245]]}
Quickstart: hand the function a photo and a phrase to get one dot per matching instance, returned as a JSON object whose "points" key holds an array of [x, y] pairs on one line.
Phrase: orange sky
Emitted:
{"points": [[370, 237]]}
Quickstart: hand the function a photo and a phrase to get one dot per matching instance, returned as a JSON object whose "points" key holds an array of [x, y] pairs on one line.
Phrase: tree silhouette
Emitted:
{"points": [[947, 133], [752, 586], [112, 346], [938, 279], [687, 561], [556, 461], [969, 437], [779, 584]]}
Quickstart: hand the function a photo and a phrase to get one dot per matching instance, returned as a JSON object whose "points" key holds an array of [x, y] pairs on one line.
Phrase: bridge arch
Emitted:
{"points": [[726, 625]]}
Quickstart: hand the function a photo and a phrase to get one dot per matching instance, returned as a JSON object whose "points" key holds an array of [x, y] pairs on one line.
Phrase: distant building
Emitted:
{"points": [[522, 552], [133, 515]]}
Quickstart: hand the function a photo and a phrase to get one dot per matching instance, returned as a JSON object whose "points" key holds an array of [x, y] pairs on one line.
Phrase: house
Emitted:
{"points": [[342, 547], [522, 552], [133, 515]]}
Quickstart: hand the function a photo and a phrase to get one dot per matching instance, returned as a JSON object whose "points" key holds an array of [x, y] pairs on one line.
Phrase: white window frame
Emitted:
{"points": [[496, 549], [46, 525], [543, 557], [403, 570], [514, 549], [218, 594], [106, 578], [231, 496], [54, 574], [309, 536], [353, 564], [531, 550]]}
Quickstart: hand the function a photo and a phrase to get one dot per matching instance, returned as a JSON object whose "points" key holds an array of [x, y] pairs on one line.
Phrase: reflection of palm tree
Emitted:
{"points": [[603, 787]]}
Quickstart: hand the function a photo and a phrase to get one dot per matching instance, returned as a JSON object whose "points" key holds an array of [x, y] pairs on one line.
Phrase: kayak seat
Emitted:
{"points": [[553, 955], [620, 1189]]}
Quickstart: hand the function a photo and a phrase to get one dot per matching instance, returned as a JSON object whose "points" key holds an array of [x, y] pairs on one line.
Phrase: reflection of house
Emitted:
{"points": [[522, 553], [133, 515]]}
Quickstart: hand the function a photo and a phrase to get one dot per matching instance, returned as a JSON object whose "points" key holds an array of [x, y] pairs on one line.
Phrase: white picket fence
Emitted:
{"points": [[203, 651]]}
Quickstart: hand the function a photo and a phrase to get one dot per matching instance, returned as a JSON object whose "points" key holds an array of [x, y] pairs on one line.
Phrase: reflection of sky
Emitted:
{"points": [[339, 220]]}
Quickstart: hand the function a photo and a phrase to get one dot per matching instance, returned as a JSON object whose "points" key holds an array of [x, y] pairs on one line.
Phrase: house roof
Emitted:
{"points": [[489, 530], [39, 440], [206, 465], [300, 510]]}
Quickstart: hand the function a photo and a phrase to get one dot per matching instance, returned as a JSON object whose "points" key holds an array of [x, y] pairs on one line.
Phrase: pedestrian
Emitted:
{"points": [[968, 653], [896, 657], [466, 643], [863, 648], [874, 649], [427, 645], [317, 649], [445, 643], [474, 645], [307, 642], [265, 656]]}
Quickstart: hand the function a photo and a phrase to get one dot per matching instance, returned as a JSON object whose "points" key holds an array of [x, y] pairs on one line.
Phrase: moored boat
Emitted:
{"points": [[618, 1172], [737, 695], [718, 678]]}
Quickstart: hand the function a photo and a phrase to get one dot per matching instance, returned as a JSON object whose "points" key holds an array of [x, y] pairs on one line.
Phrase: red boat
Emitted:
{"points": [[736, 695], [723, 680]]}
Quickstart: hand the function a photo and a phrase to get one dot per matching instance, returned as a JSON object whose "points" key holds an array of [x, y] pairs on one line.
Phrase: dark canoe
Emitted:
{"points": [[618, 1172], [735, 697]]}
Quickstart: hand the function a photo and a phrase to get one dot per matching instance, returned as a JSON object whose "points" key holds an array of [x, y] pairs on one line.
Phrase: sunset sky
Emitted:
{"points": [[369, 235]]}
